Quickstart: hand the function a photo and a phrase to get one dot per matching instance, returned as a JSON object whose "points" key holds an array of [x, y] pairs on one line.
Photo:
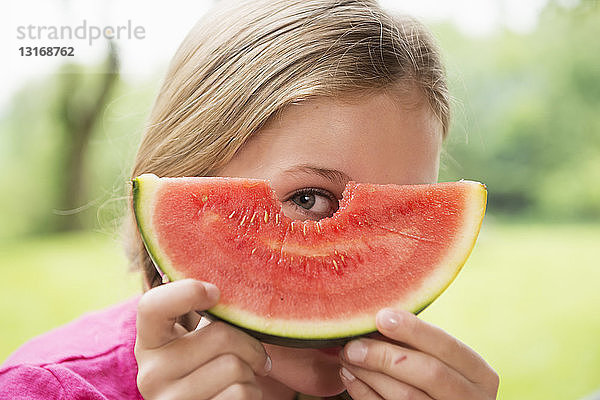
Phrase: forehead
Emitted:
{"points": [[379, 138]]}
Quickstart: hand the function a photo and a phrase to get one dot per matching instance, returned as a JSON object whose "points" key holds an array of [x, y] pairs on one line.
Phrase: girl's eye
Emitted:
{"points": [[312, 203], [307, 201]]}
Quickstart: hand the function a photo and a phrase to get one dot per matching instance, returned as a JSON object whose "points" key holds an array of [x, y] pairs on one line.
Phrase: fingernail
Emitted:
{"points": [[356, 351], [388, 319], [347, 375], [212, 292], [268, 365]]}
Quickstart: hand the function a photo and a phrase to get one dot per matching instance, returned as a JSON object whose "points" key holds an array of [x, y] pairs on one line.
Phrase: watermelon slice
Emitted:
{"points": [[309, 283]]}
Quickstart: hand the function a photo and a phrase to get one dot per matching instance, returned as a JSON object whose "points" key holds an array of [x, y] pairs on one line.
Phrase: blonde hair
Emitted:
{"points": [[246, 61]]}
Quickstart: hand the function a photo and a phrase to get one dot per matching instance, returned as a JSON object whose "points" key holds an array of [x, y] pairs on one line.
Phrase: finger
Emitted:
{"points": [[159, 308], [378, 336], [386, 386], [199, 347], [407, 328], [412, 367], [240, 391], [356, 388], [211, 379]]}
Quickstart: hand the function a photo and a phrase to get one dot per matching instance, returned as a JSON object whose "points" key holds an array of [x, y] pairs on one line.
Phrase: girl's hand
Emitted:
{"points": [[215, 362], [420, 362]]}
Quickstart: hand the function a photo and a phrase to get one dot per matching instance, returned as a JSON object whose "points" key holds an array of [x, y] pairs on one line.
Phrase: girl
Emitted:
{"points": [[308, 94]]}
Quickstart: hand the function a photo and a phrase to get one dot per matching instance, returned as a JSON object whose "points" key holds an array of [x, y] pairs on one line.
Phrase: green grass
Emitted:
{"points": [[49, 281], [528, 300]]}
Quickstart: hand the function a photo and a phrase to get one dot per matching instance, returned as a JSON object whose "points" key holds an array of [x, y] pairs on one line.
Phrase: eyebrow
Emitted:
{"points": [[333, 175]]}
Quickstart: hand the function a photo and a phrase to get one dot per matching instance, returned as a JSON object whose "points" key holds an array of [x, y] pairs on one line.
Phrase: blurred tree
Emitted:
{"points": [[78, 114], [529, 126]]}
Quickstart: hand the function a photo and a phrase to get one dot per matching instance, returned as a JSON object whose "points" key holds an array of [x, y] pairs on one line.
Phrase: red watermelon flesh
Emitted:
{"points": [[309, 281]]}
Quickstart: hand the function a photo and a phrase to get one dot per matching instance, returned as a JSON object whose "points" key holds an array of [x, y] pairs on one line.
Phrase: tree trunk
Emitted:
{"points": [[79, 121]]}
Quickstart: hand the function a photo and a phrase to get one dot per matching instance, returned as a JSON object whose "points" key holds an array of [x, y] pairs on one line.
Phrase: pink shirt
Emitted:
{"points": [[89, 358]]}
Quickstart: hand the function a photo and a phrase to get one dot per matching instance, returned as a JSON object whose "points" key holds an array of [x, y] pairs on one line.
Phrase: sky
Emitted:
{"points": [[161, 26]]}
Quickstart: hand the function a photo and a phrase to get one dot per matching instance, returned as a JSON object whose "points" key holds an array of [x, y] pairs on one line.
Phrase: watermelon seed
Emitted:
{"points": [[304, 229], [204, 198], [292, 227], [319, 227], [232, 214], [252, 219], [277, 218], [335, 265], [266, 217], [243, 219], [341, 256], [253, 251]]}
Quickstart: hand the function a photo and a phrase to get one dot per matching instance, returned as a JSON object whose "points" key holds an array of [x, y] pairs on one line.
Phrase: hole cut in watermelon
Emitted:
{"points": [[309, 283]]}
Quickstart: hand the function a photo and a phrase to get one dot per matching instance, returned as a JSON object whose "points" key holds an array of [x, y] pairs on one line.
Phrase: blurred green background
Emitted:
{"points": [[526, 123]]}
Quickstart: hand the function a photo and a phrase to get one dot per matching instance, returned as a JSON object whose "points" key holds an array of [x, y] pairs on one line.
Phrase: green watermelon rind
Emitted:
{"points": [[313, 333], [139, 196]]}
